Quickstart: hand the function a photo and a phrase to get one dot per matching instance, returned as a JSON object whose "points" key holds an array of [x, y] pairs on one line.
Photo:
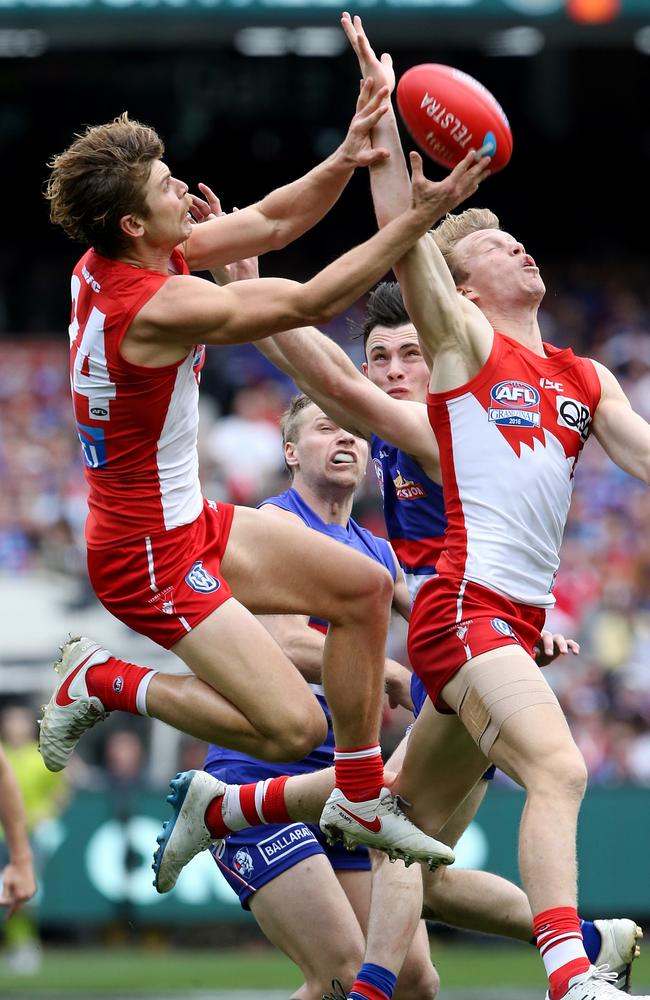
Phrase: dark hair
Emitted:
{"points": [[290, 422], [99, 179], [385, 308]]}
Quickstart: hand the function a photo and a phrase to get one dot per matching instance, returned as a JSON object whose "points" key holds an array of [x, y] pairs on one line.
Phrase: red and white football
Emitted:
{"points": [[448, 113]]}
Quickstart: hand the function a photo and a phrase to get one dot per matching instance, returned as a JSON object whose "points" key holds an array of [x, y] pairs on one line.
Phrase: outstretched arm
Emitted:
{"points": [[288, 212], [187, 310], [325, 373], [624, 434], [389, 179]]}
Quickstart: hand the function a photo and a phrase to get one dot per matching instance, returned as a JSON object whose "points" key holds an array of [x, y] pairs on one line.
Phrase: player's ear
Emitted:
{"points": [[364, 368], [131, 226], [290, 456]]}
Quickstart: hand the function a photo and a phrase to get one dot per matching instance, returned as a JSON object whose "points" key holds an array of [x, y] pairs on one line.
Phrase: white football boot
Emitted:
{"points": [[619, 947], [71, 710], [380, 823], [595, 984], [184, 835]]}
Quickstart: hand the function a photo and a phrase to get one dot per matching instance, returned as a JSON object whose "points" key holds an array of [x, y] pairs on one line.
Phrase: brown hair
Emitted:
{"points": [[385, 307], [453, 228], [100, 178], [290, 422]]}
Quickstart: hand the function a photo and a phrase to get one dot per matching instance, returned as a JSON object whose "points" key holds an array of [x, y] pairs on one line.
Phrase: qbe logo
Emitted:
{"points": [[514, 404], [200, 580], [574, 415], [502, 627]]}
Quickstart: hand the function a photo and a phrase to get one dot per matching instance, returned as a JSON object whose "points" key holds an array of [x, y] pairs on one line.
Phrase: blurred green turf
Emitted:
{"points": [[135, 972]]}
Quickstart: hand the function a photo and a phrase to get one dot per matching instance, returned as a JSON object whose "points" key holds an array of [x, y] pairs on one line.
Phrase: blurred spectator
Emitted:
{"points": [[44, 795]]}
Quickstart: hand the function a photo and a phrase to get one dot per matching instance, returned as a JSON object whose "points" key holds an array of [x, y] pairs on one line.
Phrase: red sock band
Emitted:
{"points": [[116, 684], [364, 991], [559, 940], [359, 772], [248, 805]]}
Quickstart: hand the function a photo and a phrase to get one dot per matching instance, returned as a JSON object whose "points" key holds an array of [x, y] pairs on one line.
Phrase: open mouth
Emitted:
{"points": [[344, 458]]}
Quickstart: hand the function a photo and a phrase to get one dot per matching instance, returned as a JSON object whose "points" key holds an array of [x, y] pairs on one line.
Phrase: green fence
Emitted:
{"points": [[98, 866]]}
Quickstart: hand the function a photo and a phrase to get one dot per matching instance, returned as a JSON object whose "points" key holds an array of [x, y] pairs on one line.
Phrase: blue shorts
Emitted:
{"points": [[418, 697], [250, 858]]}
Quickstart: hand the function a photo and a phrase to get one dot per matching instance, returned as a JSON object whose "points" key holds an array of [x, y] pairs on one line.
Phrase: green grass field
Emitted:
{"points": [[124, 972]]}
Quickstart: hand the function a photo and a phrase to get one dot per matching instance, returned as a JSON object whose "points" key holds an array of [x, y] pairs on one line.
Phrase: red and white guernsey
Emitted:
{"points": [[137, 425], [509, 441]]}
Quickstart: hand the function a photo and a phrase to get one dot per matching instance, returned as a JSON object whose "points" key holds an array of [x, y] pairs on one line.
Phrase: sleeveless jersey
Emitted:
{"points": [[137, 425], [250, 768], [414, 511], [509, 442]]}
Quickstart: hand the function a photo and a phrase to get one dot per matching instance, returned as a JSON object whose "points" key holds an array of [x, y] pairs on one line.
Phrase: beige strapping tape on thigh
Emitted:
{"points": [[490, 692]]}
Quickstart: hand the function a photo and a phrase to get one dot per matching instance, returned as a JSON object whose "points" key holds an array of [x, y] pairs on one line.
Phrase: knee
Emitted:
{"points": [[299, 736], [368, 595], [420, 982], [564, 772]]}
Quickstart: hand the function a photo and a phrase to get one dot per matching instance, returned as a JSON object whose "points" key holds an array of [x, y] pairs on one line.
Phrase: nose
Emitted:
{"points": [[181, 187], [395, 370], [345, 437]]}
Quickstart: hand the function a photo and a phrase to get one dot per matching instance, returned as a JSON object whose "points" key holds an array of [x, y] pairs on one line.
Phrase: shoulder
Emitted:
{"points": [[274, 511]]}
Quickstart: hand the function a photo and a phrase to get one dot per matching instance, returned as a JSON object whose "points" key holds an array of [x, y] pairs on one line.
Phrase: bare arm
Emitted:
{"points": [[452, 330], [389, 179], [188, 310], [288, 212], [18, 884], [624, 434], [325, 373]]}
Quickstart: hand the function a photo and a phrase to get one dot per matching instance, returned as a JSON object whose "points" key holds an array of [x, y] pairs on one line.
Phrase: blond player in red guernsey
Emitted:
{"points": [[189, 573], [511, 415]]}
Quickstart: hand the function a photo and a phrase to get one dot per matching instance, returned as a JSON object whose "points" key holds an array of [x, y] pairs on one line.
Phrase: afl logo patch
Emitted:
{"points": [[200, 580], [514, 404], [502, 627]]}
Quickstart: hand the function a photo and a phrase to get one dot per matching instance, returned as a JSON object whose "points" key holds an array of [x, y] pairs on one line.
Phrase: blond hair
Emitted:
{"points": [[291, 421], [453, 228], [100, 178]]}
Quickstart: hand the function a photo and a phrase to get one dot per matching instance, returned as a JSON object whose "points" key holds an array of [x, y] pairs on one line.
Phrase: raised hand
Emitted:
{"points": [[357, 145], [379, 69], [207, 208], [441, 197]]}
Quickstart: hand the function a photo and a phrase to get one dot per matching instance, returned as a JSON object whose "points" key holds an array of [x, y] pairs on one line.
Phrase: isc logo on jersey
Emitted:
{"points": [[514, 404]]}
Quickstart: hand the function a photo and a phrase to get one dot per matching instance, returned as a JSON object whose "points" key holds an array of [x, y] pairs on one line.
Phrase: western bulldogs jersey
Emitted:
{"points": [[240, 766], [414, 511], [137, 425], [509, 442]]}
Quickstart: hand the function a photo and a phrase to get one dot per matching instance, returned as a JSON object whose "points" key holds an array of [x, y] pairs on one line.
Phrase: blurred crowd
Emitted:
{"points": [[603, 588]]}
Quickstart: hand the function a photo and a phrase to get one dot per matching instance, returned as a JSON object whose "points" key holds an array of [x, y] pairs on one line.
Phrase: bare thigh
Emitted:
{"points": [[233, 653], [285, 568], [306, 914]]}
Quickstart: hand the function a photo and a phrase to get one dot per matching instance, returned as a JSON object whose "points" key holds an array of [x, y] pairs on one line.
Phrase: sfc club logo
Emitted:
{"points": [[502, 627], [514, 404], [200, 580]]}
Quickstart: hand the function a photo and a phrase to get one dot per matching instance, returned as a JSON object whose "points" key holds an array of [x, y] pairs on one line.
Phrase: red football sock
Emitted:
{"points": [[359, 772], [560, 944], [116, 684], [248, 805]]}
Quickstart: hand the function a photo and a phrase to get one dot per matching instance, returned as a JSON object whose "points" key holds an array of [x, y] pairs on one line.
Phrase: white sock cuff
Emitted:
{"points": [[141, 693], [373, 751]]}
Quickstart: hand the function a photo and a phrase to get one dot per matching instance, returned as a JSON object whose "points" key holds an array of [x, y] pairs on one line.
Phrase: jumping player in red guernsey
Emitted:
{"points": [[511, 416], [159, 555], [396, 378]]}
